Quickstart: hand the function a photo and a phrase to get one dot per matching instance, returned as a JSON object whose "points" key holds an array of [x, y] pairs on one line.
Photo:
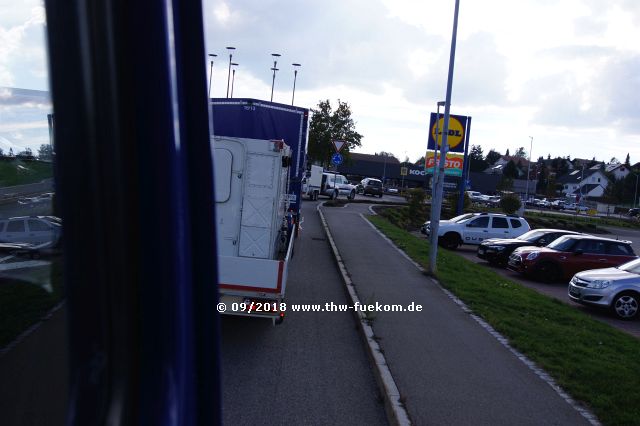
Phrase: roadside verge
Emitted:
{"points": [[591, 361]]}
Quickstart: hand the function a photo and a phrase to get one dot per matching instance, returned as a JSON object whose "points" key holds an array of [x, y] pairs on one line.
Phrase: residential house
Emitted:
{"points": [[498, 167], [619, 171], [584, 182]]}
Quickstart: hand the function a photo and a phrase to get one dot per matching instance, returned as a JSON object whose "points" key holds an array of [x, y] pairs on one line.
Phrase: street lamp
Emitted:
{"points": [[526, 196], [211, 55], [230, 49], [295, 75], [635, 197], [436, 201], [274, 69], [233, 79]]}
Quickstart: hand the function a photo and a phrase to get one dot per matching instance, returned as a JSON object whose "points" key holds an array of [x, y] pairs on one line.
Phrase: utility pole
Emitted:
{"points": [[436, 202]]}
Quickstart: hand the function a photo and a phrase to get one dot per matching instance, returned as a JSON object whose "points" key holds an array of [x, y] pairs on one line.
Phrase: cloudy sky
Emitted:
{"points": [[566, 72]]}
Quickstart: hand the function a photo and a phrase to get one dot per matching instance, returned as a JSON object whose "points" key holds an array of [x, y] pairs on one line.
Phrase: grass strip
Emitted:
{"points": [[593, 361]]}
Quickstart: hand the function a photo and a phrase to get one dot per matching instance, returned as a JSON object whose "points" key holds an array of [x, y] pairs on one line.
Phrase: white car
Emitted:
{"points": [[36, 230], [473, 228], [334, 185]]}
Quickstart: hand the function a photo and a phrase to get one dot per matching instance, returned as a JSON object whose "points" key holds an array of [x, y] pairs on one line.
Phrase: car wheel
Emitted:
{"points": [[625, 305], [450, 241], [334, 195], [352, 195], [548, 272]]}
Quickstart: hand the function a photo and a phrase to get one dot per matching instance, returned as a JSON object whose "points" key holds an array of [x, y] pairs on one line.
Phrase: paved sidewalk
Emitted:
{"points": [[448, 368]]}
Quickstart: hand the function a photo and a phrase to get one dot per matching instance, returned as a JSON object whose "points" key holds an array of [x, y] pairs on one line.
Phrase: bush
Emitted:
{"points": [[453, 202], [415, 198], [510, 203]]}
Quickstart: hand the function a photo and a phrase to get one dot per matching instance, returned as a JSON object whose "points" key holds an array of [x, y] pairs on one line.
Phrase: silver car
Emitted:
{"points": [[615, 288]]}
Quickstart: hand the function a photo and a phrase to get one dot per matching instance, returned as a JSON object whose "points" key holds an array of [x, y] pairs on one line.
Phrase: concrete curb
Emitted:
{"points": [[395, 410], [543, 375]]}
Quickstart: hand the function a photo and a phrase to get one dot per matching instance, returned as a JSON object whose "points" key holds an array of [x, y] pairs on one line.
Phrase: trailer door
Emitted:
{"points": [[260, 196], [228, 169]]}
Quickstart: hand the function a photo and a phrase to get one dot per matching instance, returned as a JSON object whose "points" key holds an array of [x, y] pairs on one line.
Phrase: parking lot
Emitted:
{"points": [[555, 290]]}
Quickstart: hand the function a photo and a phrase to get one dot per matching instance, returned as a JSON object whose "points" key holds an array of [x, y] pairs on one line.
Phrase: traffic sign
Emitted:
{"points": [[404, 171], [336, 159], [338, 145]]}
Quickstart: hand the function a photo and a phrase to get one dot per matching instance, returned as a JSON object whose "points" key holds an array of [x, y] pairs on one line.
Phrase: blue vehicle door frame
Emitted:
{"points": [[134, 183]]}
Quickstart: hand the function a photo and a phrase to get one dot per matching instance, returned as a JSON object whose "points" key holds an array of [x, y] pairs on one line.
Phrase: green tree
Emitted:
{"points": [[510, 203], [541, 186], [505, 184], [507, 153], [520, 153], [476, 158], [45, 152], [510, 170], [627, 161], [328, 125], [492, 157]]}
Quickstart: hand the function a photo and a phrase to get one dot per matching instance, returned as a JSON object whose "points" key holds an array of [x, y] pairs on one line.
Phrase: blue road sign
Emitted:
{"points": [[336, 159]]}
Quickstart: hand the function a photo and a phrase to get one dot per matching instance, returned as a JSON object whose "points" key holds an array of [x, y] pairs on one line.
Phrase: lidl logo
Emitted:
{"points": [[456, 132], [458, 126]]}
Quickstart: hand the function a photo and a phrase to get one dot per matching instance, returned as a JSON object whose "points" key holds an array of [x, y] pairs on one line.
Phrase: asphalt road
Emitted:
{"points": [[312, 368], [33, 376], [448, 369]]}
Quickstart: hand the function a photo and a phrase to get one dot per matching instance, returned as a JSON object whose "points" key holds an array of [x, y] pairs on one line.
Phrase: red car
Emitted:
{"points": [[569, 255]]}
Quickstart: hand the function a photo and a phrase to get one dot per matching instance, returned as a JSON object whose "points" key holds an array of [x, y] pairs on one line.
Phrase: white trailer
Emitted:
{"points": [[312, 181], [254, 226]]}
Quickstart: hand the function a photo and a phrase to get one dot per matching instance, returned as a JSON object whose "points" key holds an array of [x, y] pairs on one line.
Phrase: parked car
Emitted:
{"points": [[36, 230], [497, 251], [557, 204], [580, 208], [475, 196], [38, 199], [392, 190], [635, 212], [473, 228], [569, 255], [371, 186], [615, 288]]}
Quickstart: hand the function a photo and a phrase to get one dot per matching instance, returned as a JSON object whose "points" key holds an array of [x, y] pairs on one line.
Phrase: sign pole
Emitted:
{"points": [[465, 172], [436, 204]]}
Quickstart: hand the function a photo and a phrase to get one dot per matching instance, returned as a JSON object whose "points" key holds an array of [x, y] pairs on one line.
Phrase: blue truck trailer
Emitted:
{"points": [[256, 119]]}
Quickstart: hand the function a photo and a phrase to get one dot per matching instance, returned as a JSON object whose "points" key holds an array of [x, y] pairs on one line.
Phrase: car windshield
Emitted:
{"points": [[461, 217], [562, 244], [530, 236], [374, 183], [632, 267]]}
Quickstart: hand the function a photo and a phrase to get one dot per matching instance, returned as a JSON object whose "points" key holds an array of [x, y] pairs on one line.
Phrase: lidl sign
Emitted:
{"points": [[453, 165], [458, 132]]}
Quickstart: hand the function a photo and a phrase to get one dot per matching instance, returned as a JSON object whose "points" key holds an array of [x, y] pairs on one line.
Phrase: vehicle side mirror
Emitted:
{"points": [[578, 252]]}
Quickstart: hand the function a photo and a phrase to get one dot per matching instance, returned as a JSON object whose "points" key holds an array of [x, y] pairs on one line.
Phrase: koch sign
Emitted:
{"points": [[452, 166], [458, 132]]}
